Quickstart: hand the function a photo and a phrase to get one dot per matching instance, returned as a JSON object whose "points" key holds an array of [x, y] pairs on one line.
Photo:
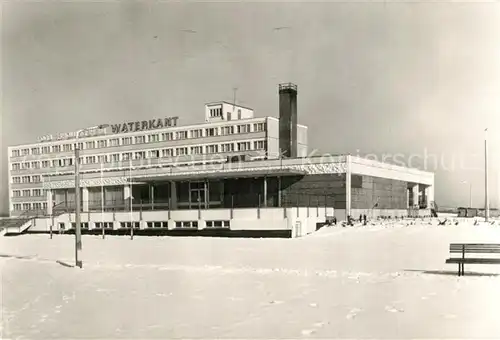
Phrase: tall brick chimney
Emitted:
{"points": [[288, 120]]}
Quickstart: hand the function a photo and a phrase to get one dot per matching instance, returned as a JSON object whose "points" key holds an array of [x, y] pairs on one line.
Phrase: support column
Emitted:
{"points": [[265, 192], [50, 202], [279, 192], [126, 196], [408, 198], [85, 198], [414, 191], [348, 186], [173, 195], [152, 196]]}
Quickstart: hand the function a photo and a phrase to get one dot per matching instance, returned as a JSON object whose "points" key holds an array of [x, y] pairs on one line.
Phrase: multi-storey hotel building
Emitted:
{"points": [[229, 171]]}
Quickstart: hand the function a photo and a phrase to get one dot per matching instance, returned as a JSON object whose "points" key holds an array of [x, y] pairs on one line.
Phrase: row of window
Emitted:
{"points": [[30, 206], [151, 138], [156, 225], [149, 154], [27, 179], [30, 193]]}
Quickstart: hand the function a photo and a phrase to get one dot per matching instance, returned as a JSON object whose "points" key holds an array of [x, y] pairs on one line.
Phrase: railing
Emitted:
{"points": [[226, 201]]}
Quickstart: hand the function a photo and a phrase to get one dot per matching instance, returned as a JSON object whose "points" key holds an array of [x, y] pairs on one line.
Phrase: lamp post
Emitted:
{"points": [[486, 199], [78, 227], [470, 192]]}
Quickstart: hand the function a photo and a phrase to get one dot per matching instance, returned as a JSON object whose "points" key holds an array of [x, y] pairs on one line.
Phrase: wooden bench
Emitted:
{"points": [[473, 248]]}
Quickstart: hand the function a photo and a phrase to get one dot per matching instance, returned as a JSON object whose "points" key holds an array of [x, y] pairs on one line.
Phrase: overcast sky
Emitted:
{"points": [[417, 79]]}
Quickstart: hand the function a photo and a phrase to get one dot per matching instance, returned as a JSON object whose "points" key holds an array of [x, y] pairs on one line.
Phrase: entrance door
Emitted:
{"points": [[197, 195]]}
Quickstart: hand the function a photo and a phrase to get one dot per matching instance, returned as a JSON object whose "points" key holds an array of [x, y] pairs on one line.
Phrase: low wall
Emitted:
{"points": [[251, 219]]}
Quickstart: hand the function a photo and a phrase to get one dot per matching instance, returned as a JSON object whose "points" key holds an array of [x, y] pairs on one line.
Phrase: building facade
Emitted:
{"points": [[230, 133], [217, 173]]}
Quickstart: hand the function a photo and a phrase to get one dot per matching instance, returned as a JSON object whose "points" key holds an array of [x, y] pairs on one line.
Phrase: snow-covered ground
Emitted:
{"points": [[379, 281]]}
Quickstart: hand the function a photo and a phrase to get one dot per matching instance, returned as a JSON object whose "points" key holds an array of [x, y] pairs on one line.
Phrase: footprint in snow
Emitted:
{"points": [[353, 313], [393, 309]]}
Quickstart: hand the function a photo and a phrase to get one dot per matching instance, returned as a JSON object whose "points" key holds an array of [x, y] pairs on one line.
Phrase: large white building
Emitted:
{"points": [[228, 131]]}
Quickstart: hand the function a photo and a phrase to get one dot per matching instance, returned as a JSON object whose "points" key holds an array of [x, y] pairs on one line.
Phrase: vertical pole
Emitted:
{"points": [[258, 206], [102, 203], [232, 206], [131, 200], [470, 195], [78, 231], [486, 201]]}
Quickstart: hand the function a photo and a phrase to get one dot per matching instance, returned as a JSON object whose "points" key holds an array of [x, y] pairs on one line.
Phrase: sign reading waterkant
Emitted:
{"points": [[144, 125]]}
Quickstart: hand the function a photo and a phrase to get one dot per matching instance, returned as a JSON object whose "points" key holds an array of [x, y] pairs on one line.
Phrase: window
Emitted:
{"points": [[45, 149], [44, 205], [35, 165], [15, 153], [107, 225], [216, 112], [16, 193], [101, 143], [181, 135], [211, 132], [35, 151], [128, 224], [126, 140], [227, 130], [37, 192], [16, 166], [158, 225], [167, 152], [26, 165], [140, 140], [258, 127], [114, 142], [245, 128], [26, 193], [102, 159], [228, 147], [17, 206], [25, 179], [217, 224], [166, 136], [259, 145], [26, 206], [37, 179], [243, 146], [56, 148], [154, 154], [214, 148], [140, 155], [196, 150], [16, 180], [127, 156], [181, 151], [90, 145], [45, 164], [186, 224], [83, 225], [67, 147], [90, 160], [196, 133], [25, 152], [62, 226], [153, 138], [37, 205], [115, 158]]}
